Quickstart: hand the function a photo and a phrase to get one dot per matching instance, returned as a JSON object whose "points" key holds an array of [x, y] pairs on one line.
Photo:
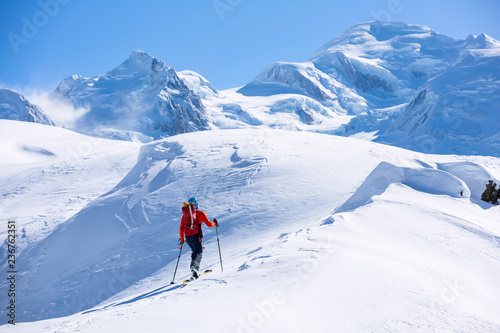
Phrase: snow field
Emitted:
{"points": [[409, 257], [49, 174]]}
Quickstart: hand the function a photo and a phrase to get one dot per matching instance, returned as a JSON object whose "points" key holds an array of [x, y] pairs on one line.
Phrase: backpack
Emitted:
{"points": [[192, 226]]}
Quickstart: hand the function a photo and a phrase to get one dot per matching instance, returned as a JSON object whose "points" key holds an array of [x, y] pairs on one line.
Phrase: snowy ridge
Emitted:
{"points": [[14, 106], [295, 78], [453, 179], [427, 180]]}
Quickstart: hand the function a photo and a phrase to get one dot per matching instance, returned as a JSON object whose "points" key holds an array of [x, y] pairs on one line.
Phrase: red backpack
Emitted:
{"points": [[192, 227]]}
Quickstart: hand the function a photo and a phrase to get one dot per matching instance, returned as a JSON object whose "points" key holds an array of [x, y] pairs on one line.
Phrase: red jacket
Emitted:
{"points": [[198, 218]]}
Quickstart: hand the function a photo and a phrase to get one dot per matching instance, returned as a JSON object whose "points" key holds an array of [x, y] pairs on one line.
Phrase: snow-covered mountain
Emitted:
{"points": [[387, 61], [402, 84], [427, 92], [456, 111], [141, 98], [371, 65], [374, 81], [14, 106]]}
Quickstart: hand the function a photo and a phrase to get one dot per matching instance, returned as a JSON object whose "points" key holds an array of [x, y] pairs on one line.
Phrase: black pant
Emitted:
{"points": [[194, 243]]}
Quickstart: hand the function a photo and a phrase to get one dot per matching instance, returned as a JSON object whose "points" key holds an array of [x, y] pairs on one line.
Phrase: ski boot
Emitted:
{"points": [[196, 273]]}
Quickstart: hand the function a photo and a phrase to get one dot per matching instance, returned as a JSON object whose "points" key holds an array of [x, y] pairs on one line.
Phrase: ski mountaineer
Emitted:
{"points": [[190, 232]]}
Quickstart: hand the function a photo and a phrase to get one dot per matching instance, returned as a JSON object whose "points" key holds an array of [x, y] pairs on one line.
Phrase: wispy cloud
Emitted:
{"points": [[60, 111]]}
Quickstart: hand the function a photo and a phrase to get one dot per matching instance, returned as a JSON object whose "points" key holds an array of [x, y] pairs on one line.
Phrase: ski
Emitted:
{"points": [[184, 282]]}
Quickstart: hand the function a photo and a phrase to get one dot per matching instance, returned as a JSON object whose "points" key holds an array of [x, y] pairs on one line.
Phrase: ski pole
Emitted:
{"points": [[177, 263], [218, 244]]}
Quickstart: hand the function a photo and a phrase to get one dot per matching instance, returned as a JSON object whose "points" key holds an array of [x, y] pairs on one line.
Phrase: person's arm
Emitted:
{"points": [[204, 218]]}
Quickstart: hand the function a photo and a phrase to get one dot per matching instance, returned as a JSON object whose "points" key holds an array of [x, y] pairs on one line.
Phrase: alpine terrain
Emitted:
{"points": [[347, 190]]}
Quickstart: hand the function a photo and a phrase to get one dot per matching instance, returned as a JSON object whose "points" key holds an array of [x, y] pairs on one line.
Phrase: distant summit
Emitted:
{"points": [[387, 61]]}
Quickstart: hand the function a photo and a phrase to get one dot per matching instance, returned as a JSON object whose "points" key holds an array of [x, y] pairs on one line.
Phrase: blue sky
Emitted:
{"points": [[227, 41]]}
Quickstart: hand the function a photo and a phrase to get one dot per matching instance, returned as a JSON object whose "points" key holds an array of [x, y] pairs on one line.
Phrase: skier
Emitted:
{"points": [[190, 232]]}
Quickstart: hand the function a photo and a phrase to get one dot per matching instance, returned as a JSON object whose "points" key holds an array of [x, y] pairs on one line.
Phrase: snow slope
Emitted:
{"points": [[393, 266], [458, 111], [48, 174], [407, 262], [291, 257]]}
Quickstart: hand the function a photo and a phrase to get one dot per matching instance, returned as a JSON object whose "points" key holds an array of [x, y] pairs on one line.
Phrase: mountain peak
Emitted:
{"points": [[482, 45], [378, 31], [396, 28], [141, 57], [486, 42], [140, 61], [377, 37]]}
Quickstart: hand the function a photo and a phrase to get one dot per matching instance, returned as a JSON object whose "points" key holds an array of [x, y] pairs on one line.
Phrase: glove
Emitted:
{"points": [[216, 223], [180, 241]]}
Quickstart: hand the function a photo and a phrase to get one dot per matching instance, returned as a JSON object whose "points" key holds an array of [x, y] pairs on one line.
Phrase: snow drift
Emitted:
{"points": [[431, 181]]}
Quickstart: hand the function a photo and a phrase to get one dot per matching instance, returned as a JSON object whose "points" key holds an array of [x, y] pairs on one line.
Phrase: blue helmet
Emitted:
{"points": [[193, 201]]}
